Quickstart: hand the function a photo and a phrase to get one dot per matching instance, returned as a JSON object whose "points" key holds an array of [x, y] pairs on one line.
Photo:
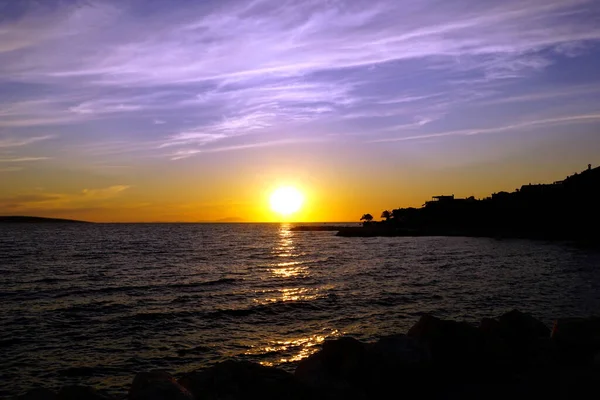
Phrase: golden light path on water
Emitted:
{"points": [[290, 270]]}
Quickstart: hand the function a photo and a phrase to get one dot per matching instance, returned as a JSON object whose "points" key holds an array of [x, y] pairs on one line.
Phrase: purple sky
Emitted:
{"points": [[115, 88]]}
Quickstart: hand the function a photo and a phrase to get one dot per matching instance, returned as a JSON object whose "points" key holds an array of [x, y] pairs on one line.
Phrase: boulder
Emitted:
{"points": [[398, 351], [397, 359], [518, 339], [241, 380], [39, 394], [339, 370], [596, 360], [340, 359], [495, 349], [489, 326], [577, 340], [520, 328], [79, 393], [157, 385], [449, 342]]}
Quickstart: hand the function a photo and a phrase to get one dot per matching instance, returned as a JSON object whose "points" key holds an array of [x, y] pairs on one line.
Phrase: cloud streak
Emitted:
{"points": [[21, 159], [16, 142], [573, 119], [43, 201]]}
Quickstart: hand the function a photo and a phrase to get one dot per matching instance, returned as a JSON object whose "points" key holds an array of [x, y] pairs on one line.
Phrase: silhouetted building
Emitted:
{"points": [[439, 200]]}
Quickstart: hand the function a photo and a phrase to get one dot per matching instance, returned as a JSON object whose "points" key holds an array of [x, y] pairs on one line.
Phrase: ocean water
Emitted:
{"points": [[94, 304]]}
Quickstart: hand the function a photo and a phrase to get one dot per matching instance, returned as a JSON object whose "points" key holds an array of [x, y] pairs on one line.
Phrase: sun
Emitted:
{"points": [[286, 200]]}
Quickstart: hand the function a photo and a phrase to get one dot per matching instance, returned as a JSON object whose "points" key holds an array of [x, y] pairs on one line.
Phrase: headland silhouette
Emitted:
{"points": [[562, 210]]}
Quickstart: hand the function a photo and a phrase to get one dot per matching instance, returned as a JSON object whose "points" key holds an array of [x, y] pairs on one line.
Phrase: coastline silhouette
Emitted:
{"points": [[562, 210]]}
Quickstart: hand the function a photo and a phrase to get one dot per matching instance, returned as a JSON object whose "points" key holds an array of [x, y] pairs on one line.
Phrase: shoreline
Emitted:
{"points": [[513, 355], [387, 231]]}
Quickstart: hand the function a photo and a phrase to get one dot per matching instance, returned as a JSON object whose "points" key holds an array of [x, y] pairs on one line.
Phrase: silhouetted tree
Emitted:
{"points": [[366, 218], [386, 214]]}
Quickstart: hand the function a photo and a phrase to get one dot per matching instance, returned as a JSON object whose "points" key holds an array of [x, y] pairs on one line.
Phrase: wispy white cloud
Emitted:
{"points": [[21, 159], [586, 118], [186, 153], [11, 169], [103, 193], [16, 142], [572, 91], [42, 200]]}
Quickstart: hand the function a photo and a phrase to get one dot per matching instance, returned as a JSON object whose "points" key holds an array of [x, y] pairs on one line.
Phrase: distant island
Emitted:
{"points": [[230, 220], [24, 219], [563, 210]]}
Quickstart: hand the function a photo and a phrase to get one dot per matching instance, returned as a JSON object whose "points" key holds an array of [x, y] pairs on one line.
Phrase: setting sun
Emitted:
{"points": [[286, 200]]}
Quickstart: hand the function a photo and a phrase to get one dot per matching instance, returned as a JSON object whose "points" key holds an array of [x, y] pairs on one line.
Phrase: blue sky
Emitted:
{"points": [[115, 89]]}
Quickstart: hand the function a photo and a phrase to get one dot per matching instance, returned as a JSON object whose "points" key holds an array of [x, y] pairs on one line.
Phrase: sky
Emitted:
{"points": [[190, 110]]}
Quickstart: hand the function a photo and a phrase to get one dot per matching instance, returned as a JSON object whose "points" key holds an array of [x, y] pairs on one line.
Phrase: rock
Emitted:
{"points": [[398, 351], [577, 340], [344, 356], [397, 359], [489, 326], [596, 360], [39, 394], [241, 380], [79, 393], [517, 339], [157, 385], [496, 350], [450, 342], [520, 328], [339, 360]]}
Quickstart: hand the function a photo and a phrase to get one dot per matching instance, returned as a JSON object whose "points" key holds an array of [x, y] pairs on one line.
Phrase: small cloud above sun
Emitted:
{"points": [[286, 200]]}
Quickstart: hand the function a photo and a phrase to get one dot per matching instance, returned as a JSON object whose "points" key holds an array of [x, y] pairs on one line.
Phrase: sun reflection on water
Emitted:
{"points": [[289, 294], [300, 348], [285, 248], [283, 274]]}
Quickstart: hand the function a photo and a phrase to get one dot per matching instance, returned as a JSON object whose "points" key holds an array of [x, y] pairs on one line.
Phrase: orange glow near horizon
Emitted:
{"points": [[173, 195]]}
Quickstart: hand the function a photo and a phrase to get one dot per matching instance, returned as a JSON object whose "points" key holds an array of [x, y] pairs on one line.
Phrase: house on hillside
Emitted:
{"points": [[439, 200]]}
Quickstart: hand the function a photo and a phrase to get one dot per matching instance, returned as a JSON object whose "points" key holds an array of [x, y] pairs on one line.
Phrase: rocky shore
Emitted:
{"points": [[511, 356]]}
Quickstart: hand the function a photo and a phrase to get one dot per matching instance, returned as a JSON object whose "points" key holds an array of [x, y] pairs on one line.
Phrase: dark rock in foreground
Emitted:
{"points": [[66, 393], [577, 340], [512, 356], [241, 380], [157, 385]]}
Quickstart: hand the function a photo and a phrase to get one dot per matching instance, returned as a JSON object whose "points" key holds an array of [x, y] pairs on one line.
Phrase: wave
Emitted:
{"points": [[222, 281], [276, 308], [269, 309], [142, 288]]}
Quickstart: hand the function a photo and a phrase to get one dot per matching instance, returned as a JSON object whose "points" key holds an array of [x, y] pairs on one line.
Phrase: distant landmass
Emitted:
{"points": [[24, 219], [231, 219]]}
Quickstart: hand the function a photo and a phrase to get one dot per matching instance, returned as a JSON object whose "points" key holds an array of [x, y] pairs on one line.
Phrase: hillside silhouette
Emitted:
{"points": [[567, 209]]}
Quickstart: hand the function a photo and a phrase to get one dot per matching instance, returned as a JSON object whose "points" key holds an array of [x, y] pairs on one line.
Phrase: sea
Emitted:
{"points": [[92, 304]]}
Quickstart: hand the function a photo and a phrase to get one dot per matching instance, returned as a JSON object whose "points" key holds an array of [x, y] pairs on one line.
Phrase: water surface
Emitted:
{"points": [[93, 304]]}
